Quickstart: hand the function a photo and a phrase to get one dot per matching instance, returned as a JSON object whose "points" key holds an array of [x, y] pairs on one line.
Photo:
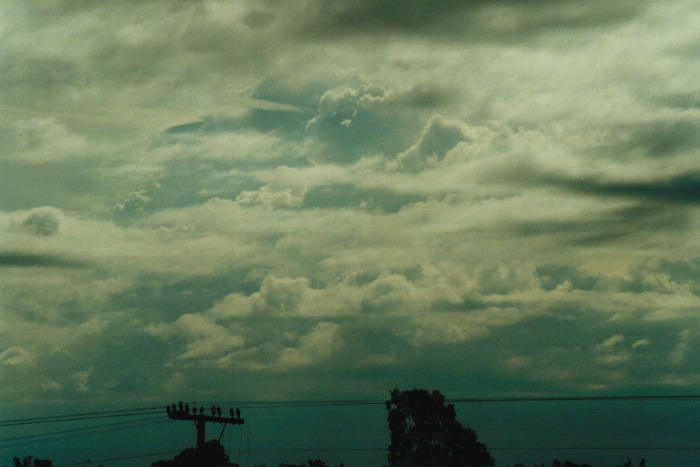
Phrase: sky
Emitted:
{"points": [[324, 200]]}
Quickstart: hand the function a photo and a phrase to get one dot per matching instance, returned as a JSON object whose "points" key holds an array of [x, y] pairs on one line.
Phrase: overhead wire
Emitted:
{"points": [[328, 403], [82, 416], [351, 402], [146, 411], [31, 439]]}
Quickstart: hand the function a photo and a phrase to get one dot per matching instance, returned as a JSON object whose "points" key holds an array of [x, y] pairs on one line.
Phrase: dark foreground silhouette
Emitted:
{"points": [[425, 432], [423, 428], [212, 454]]}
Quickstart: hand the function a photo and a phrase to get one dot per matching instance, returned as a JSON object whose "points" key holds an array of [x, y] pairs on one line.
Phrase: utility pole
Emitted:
{"points": [[183, 412]]}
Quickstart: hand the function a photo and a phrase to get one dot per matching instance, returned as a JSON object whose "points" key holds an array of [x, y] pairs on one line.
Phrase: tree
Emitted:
{"points": [[425, 432], [568, 463], [211, 455], [27, 462], [317, 463]]}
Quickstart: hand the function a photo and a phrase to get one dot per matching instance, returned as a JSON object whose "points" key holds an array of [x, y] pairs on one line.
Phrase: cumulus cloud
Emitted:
{"points": [[439, 136], [356, 122], [134, 205], [269, 199]]}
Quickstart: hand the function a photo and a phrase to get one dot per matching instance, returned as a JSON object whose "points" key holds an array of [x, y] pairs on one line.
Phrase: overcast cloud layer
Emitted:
{"points": [[324, 199]]}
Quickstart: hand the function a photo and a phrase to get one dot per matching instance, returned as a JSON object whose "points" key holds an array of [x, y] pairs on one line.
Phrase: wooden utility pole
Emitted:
{"points": [[183, 412]]}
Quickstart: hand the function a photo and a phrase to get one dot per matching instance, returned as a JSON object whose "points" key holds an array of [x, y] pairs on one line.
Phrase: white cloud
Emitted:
{"points": [[640, 343], [15, 356], [39, 140], [678, 354], [611, 342], [314, 347], [270, 199]]}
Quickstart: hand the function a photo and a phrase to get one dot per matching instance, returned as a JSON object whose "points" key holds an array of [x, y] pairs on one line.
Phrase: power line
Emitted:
{"points": [[575, 398], [146, 411], [53, 436], [333, 403], [82, 416], [350, 402], [596, 448]]}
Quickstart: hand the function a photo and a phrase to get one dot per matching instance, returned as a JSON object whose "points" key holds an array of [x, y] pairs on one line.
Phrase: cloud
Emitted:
{"points": [[34, 260], [176, 383], [135, 205], [41, 141], [678, 354], [503, 20], [15, 356], [343, 197], [611, 342], [640, 343], [269, 200], [43, 223], [82, 380], [683, 189], [356, 122], [349, 196], [439, 136], [314, 347]]}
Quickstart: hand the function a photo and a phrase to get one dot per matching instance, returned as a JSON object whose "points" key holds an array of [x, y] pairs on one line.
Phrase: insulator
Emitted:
{"points": [[181, 406], [187, 408], [238, 413], [173, 408], [201, 411], [170, 412], [218, 411], [230, 411]]}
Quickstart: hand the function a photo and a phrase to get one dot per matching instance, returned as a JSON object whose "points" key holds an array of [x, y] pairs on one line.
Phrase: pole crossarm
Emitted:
{"points": [[177, 414], [182, 411]]}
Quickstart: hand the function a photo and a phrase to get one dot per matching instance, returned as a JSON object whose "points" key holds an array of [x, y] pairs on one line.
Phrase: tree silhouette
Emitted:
{"points": [[27, 462], [425, 432], [211, 455], [568, 463]]}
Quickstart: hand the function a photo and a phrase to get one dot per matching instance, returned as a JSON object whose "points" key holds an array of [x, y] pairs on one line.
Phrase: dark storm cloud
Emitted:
{"points": [[683, 101], [612, 226], [682, 189], [663, 138], [32, 260], [475, 19]]}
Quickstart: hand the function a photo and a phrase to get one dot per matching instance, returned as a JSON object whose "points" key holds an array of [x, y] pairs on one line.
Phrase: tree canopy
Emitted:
{"points": [[425, 432], [211, 455]]}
